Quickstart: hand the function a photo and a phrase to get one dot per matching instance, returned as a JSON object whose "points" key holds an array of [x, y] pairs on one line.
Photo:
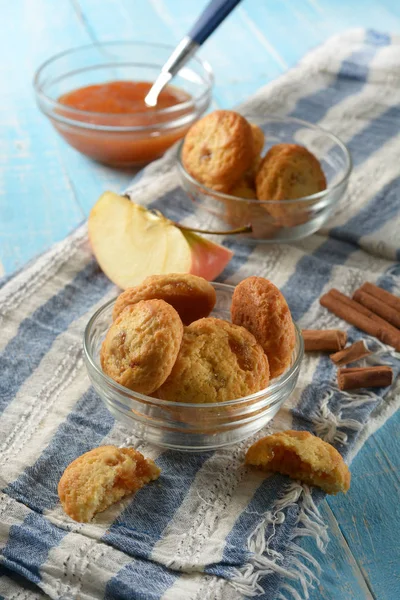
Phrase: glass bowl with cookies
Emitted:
{"points": [[193, 365], [282, 176]]}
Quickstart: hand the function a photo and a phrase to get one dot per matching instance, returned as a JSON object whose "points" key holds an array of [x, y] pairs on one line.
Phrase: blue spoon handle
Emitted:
{"points": [[214, 13]]}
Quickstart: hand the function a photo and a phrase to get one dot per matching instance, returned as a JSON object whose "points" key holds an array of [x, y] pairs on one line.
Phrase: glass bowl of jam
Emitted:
{"points": [[186, 426], [94, 97]]}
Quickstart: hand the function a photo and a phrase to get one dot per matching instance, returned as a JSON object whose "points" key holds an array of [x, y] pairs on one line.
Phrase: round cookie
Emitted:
{"points": [[142, 344], [288, 172], [244, 189], [192, 297], [302, 456], [239, 214], [258, 139], [259, 306], [258, 145], [245, 213], [101, 477], [218, 361], [218, 149]]}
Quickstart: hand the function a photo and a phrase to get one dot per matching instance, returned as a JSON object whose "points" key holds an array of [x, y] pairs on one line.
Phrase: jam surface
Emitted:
{"points": [[121, 104], [121, 97]]}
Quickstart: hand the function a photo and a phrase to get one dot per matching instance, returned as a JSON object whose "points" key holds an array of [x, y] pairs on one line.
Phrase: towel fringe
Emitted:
{"points": [[378, 348], [300, 566], [326, 424]]}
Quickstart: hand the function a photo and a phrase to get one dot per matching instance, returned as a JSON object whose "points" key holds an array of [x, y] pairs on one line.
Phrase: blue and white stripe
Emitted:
{"points": [[207, 528]]}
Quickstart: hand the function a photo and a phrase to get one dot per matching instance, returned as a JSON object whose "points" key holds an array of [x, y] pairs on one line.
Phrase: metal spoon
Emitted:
{"points": [[212, 16]]}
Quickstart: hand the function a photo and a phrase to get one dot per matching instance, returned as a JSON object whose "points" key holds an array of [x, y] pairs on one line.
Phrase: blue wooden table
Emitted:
{"points": [[47, 188]]}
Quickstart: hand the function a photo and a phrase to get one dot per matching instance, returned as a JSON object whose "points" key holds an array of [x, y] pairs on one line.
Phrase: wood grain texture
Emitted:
{"points": [[46, 188], [369, 515], [363, 556], [37, 200], [341, 575]]}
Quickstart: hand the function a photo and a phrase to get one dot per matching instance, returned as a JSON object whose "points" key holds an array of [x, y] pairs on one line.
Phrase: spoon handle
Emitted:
{"points": [[213, 14]]}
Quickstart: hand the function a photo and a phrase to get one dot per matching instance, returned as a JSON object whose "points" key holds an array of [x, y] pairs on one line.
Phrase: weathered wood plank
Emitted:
{"points": [[360, 13], [369, 515], [37, 200], [341, 576]]}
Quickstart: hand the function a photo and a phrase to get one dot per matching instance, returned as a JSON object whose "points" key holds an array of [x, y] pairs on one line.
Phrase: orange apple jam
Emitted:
{"points": [[121, 104]]}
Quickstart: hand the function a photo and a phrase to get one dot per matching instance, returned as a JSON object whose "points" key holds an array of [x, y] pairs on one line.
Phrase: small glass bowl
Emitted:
{"points": [[283, 220], [187, 427], [120, 139]]}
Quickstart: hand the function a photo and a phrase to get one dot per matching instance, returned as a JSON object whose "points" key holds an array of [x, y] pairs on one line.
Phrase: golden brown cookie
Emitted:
{"points": [[101, 477], [244, 189], [218, 149], [259, 306], [288, 172], [302, 456], [258, 145], [217, 361], [246, 186], [258, 139], [141, 345], [241, 213], [192, 297]]}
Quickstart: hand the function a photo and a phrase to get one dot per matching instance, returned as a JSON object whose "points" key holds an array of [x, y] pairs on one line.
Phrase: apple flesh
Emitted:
{"points": [[130, 243]]}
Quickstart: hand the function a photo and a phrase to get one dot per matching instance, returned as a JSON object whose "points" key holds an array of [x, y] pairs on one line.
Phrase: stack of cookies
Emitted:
{"points": [[222, 151], [163, 343]]}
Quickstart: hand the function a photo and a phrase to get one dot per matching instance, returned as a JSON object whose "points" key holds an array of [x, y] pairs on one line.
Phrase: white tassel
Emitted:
{"points": [[295, 548], [265, 560], [356, 400], [326, 424], [294, 594], [378, 348]]}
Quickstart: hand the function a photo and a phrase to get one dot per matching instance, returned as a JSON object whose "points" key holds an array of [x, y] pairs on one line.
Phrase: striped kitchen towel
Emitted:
{"points": [[208, 528]]}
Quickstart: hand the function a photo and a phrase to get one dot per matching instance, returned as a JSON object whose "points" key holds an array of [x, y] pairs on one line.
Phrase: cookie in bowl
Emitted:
{"points": [[141, 345], [219, 149], [260, 307], [192, 297], [245, 188], [288, 172], [218, 361], [258, 145]]}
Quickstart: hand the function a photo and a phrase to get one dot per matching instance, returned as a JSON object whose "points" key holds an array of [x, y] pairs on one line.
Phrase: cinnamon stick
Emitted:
{"points": [[379, 307], [354, 352], [361, 377], [381, 294], [324, 340], [362, 309], [389, 329], [356, 314]]}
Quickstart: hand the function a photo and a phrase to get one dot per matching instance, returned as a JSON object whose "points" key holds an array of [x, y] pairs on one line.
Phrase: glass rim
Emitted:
{"points": [[302, 199], [49, 106], [136, 396]]}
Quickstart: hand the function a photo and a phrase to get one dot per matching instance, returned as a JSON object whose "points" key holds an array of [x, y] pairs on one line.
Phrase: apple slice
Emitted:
{"points": [[130, 243]]}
